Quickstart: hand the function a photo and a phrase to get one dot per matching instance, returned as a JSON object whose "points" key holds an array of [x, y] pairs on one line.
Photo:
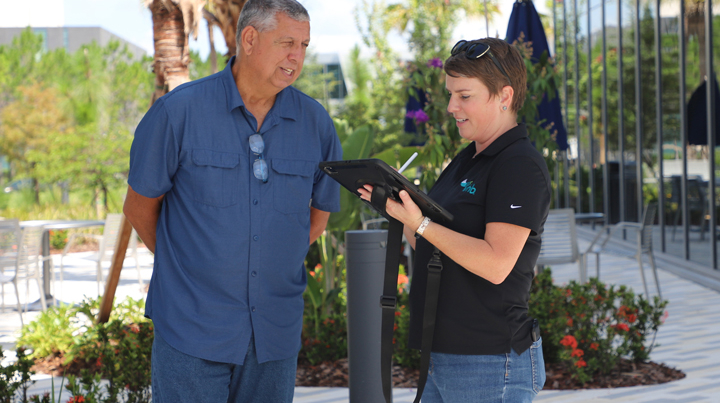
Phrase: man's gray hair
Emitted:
{"points": [[260, 14]]}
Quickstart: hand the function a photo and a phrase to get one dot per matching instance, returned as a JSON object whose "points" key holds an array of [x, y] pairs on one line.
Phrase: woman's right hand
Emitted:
{"points": [[406, 212]]}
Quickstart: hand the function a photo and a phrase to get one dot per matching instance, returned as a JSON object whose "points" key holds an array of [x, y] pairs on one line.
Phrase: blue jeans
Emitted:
{"points": [[178, 377], [503, 378]]}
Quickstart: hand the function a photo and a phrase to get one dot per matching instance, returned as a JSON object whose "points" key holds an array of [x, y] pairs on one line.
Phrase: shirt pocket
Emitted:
{"points": [[215, 177], [293, 185]]}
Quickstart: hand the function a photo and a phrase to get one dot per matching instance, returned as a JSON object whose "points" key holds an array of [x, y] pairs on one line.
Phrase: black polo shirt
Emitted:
{"points": [[507, 182]]}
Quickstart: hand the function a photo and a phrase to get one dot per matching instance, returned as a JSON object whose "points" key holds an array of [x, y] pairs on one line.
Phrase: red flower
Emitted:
{"points": [[569, 341], [402, 279], [594, 346], [577, 353], [568, 292], [581, 363], [398, 313], [623, 326], [632, 318], [570, 322]]}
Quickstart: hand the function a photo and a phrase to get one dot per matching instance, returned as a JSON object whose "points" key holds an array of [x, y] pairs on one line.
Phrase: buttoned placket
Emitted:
{"points": [[260, 202]]}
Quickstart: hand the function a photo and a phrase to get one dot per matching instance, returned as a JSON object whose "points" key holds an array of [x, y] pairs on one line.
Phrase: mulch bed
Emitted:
{"points": [[627, 373], [53, 365], [335, 374]]}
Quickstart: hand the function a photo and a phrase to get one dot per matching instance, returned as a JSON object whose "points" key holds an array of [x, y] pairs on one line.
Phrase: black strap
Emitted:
{"points": [[432, 291], [388, 302]]}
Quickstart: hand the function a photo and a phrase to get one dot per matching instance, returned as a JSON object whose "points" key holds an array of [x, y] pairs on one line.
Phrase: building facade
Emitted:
{"points": [[72, 38], [639, 95]]}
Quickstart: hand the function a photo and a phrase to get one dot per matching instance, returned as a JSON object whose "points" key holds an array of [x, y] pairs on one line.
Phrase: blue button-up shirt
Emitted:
{"points": [[230, 248]]}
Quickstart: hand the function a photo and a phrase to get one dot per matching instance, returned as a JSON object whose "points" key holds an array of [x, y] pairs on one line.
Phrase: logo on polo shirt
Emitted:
{"points": [[468, 186]]}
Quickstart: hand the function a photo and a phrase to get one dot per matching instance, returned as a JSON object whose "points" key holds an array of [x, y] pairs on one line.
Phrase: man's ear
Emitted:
{"points": [[248, 39]]}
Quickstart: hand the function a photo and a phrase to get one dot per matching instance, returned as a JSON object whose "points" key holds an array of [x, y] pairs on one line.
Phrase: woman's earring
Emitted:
{"points": [[504, 107]]}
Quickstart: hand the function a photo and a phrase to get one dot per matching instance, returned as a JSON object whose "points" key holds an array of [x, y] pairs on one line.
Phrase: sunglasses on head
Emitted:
{"points": [[477, 50]]}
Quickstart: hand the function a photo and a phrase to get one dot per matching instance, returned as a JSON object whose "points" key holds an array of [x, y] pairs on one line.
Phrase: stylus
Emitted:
{"points": [[405, 165]]}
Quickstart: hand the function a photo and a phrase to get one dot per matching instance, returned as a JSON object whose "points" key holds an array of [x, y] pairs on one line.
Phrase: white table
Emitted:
{"points": [[47, 226]]}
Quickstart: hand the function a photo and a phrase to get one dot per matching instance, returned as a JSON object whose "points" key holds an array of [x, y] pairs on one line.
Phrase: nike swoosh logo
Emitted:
{"points": [[514, 206]]}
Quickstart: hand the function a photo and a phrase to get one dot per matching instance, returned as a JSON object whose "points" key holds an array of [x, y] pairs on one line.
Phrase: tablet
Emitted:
{"points": [[353, 174]]}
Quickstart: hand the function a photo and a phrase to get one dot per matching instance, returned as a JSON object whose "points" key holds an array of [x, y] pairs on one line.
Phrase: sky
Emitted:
{"points": [[332, 22]]}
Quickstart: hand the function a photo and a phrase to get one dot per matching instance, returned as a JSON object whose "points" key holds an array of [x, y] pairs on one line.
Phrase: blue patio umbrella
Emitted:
{"points": [[697, 114], [525, 19]]}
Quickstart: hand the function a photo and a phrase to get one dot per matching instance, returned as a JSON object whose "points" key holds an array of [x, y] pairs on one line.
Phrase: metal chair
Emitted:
{"points": [[9, 238], [559, 241], [696, 201], [28, 265], [644, 243], [9, 242], [106, 247]]}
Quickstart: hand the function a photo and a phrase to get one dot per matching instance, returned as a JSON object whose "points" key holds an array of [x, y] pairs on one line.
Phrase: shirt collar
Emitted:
{"points": [[516, 133], [283, 106]]}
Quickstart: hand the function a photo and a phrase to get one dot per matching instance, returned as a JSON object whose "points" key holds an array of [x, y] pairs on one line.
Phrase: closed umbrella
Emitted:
{"points": [[697, 114], [525, 19]]}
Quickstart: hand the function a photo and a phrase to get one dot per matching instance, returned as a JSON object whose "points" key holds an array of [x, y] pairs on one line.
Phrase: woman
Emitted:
{"points": [[498, 189]]}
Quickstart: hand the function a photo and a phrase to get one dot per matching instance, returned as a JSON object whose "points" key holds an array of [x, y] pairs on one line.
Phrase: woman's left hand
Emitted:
{"points": [[406, 212]]}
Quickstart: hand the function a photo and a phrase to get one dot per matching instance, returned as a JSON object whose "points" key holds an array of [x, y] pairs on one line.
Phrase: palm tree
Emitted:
{"points": [[223, 14], [173, 23]]}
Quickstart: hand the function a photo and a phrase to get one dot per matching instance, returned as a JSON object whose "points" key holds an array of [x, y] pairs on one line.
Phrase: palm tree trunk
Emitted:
{"points": [[213, 53], [227, 13], [171, 47]]}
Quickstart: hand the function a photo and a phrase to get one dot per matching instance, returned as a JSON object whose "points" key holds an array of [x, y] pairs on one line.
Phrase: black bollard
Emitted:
{"points": [[365, 259]]}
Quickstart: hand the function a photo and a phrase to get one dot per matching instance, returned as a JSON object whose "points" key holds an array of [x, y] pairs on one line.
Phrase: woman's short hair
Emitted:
{"points": [[487, 72], [260, 14]]}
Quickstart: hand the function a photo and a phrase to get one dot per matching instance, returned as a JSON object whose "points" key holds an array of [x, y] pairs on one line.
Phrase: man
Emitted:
{"points": [[225, 190]]}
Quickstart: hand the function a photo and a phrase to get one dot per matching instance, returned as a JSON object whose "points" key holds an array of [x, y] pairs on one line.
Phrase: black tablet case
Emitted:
{"points": [[353, 174]]}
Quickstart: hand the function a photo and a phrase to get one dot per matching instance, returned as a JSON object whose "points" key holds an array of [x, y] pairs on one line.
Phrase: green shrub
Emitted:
{"points": [[324, 336], [15, 378], [324, 333], [329, 344], [52, 333], [590, 326], [118, 351], [58, 238]]}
